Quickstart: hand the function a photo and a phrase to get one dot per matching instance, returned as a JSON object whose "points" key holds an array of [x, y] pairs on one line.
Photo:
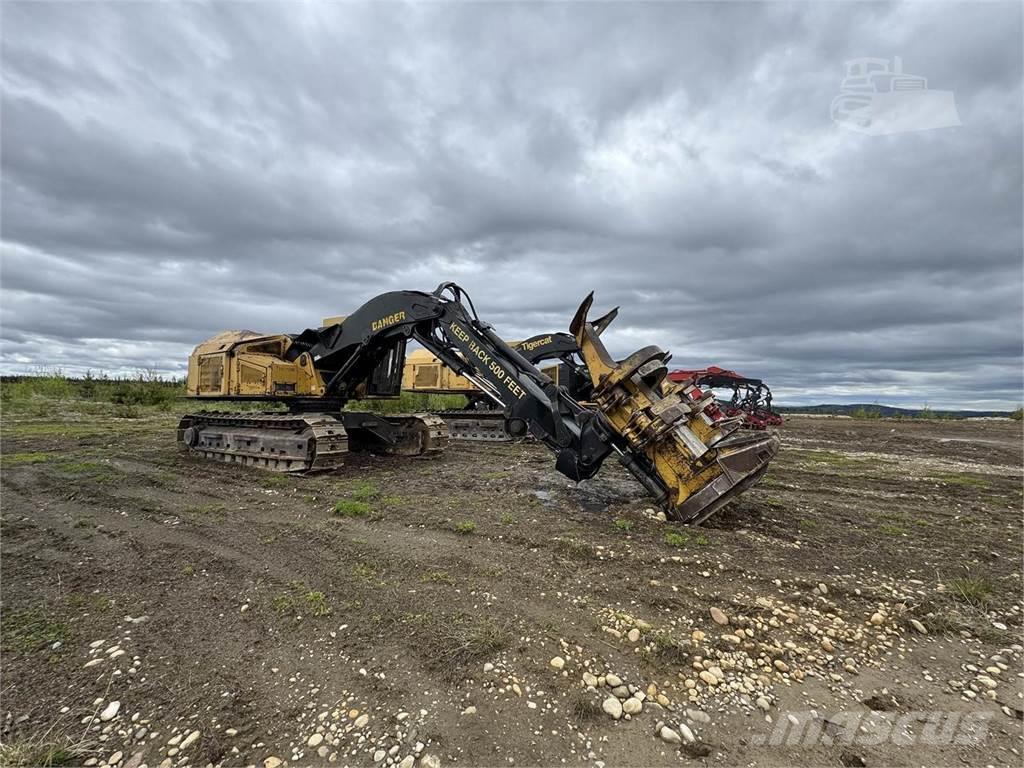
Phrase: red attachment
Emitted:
{"points": [[701, 373], [751, 399]]}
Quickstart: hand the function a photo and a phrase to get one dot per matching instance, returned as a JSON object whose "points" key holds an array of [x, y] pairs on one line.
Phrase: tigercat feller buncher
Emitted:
{"points": [[661, 434]]}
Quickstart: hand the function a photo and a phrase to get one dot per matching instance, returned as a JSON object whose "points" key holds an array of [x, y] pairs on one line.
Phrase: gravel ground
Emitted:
{"points": [[861, 606]]}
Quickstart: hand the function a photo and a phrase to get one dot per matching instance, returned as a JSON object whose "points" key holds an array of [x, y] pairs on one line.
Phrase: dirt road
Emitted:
{"points": [[478, 609]]}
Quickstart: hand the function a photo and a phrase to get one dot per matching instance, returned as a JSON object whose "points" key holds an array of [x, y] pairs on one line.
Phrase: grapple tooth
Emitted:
{"points": [[690, 461]]}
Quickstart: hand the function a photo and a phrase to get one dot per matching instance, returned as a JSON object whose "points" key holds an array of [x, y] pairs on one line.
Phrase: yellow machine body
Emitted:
{"points": [[247, 364], [425, 373]]}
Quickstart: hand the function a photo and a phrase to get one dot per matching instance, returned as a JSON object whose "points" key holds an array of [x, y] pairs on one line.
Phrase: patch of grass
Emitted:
{"points": [[450, 644], [583, 708], [283, 604], [189, 569], [301, 599], [623, 524], [50, 429], [349, 508], [316, 603], [92, 469], [805, 524], [127, 412], [573, 547], [89, 602], [892, 530], [507, 518], [275, 481], [679, 539], [465, 527], [669, 650], [823, 457], [440, 577], [206, 509], [977, 591], [364, 570], [44, 752], [365, 491], [14, 459], [30, 629], [961, 479], [676, 539]]}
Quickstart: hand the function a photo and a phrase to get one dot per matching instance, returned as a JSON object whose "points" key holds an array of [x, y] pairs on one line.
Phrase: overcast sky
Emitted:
{"points": [[170, 171]]}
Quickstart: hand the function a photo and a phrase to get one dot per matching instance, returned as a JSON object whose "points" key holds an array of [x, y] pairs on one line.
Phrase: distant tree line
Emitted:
{"points": [[147, 388]]}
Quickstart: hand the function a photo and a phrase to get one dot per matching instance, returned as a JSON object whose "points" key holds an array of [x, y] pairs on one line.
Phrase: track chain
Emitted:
{"points": [[280, 442]]}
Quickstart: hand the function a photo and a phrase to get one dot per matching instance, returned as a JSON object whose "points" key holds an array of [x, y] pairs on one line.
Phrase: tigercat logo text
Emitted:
{"points": [[387, 321], [528, 346]]}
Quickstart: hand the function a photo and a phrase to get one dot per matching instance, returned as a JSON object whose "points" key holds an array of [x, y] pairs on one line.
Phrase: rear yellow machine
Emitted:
{"points": [[662, 432], [243, 366]]}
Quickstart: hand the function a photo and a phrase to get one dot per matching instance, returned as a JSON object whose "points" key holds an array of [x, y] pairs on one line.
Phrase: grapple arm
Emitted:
{"points": [[672, 442]]}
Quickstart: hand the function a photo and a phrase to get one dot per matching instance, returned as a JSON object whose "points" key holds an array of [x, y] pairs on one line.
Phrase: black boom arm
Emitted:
{"points": [[370, 344]]}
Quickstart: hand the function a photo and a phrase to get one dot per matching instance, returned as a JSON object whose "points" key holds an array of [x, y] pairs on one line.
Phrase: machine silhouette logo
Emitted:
{"points": [[877, 97]]}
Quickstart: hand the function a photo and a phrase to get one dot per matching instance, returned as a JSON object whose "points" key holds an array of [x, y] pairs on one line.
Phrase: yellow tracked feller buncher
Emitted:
{"points": [[664, 436]]}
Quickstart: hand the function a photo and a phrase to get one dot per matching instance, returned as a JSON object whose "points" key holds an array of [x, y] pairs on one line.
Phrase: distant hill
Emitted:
{"points": [[864, 409]]}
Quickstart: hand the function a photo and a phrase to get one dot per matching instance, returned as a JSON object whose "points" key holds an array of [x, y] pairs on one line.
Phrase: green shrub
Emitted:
{"points": [[465, 527], [623, 524], [144, 393]]}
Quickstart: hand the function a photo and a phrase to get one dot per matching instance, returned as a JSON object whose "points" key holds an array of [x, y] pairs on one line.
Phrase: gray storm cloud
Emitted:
{"points": [[173, 170]]}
